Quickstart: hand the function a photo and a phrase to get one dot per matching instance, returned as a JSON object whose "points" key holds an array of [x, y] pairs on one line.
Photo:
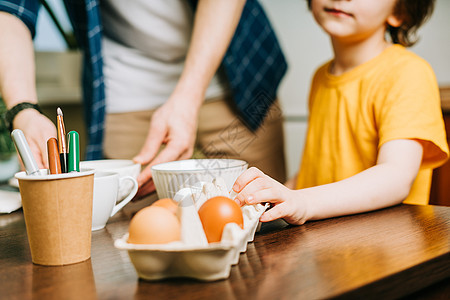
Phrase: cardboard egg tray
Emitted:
{"points": [[193, 256]]}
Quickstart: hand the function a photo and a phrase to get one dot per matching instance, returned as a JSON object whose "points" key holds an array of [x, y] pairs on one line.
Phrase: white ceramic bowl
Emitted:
{"points": [[124, 167], [170, 177]]}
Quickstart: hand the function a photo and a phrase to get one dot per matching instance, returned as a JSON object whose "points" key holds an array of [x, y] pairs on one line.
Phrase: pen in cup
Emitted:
{"points": [[61, 140], [74, 152], [54, 161], [25, 154]]}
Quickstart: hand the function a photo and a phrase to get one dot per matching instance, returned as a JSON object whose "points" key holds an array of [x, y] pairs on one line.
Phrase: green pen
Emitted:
{"points": [[74, 152]]}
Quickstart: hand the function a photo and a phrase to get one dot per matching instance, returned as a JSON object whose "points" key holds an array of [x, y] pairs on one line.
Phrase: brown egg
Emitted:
{"points": [[154, 225], [215, 213], [167, 203]]}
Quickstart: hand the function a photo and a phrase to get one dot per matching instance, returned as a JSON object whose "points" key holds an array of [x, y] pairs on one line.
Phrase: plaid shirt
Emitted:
{"points": [[254, 62]]}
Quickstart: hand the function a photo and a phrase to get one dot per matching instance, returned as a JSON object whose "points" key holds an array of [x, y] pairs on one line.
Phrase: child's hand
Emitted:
{"points": [[253, 186]]}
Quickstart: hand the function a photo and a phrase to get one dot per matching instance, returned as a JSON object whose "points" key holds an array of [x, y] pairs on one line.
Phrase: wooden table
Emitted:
{"points": [[384, 254], [440, 192]]}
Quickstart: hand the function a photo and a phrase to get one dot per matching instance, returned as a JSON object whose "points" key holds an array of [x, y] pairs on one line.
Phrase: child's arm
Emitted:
{"points": [[385, 184], [291, 182]]}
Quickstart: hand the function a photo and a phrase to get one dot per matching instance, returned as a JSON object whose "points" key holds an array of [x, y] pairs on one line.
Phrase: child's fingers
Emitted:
{"points": [[269, 194], [248, 194], [276, 212], [245, 178]]}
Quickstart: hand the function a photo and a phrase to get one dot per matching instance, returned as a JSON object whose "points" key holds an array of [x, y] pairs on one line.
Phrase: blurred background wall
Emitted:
{"points": [[305, 46]]}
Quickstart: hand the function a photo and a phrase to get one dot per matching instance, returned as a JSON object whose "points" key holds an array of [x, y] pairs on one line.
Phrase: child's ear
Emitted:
{"points": [[394, 21]]}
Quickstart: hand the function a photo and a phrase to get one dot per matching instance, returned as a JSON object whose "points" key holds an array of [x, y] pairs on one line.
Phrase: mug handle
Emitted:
{"points": [[130, 196]]}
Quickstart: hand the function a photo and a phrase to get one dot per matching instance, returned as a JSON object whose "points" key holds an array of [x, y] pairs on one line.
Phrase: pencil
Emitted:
{"points": [[61, 140], [54, 162]]}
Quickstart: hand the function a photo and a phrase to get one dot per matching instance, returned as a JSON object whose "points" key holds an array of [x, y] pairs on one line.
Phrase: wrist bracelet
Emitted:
{"points": [[12, 113]]}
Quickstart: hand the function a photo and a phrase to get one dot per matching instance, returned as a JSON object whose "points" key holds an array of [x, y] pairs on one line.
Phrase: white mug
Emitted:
{"points": [[124, 167], [106, 186]]}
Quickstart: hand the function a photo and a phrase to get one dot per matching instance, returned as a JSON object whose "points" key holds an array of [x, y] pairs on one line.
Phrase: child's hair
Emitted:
{"points": [[413, 14]]}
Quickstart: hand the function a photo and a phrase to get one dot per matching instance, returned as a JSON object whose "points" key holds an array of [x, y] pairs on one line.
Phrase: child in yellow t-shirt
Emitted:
{"points": [[375, 126]]}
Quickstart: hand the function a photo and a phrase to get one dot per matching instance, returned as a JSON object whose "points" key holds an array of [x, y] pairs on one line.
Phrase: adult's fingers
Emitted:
{"points": [[174, 150], [145, 176], [39, 153], [37, 130], [155, 138], [170, 153], [144, 190]]}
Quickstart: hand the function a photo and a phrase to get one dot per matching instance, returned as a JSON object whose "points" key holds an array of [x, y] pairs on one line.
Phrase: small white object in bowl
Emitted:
{"points": [[172, 176]]}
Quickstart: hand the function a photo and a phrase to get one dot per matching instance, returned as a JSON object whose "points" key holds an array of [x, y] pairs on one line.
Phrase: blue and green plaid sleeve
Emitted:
{"points": [[25, 10], [255, 65], [86, 22]]}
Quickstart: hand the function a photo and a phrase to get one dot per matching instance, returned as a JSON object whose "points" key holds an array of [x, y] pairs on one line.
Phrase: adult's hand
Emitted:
{"points": [[174, 125], [37, 129]]}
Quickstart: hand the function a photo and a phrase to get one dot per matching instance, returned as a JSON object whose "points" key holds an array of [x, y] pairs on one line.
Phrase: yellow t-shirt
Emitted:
{"points": [[393, 96]]}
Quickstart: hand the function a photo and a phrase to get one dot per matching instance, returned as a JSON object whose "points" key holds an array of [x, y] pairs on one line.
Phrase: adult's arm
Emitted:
{"points": [[175, 123], [17, 84]]}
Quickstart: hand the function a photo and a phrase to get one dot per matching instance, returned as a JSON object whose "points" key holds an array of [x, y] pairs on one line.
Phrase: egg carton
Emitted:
{"points": [[193, 256]]}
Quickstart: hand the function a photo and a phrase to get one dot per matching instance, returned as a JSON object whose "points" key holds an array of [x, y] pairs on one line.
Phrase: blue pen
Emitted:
{"points": [[23, 148]]}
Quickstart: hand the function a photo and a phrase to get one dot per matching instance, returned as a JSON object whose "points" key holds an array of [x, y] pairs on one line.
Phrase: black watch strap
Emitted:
{"points": [[12, 113]]}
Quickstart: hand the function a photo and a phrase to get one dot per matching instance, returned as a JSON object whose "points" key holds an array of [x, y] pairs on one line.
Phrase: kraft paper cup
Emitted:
{"points": [[58, 215]]}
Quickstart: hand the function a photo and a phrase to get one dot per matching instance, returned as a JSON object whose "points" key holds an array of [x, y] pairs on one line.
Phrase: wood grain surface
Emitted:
{"points": [[440, 191], [391, 253]]}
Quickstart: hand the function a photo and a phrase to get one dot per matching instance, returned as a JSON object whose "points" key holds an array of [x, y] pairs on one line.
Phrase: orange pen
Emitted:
{"points": [[53, 156]]}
